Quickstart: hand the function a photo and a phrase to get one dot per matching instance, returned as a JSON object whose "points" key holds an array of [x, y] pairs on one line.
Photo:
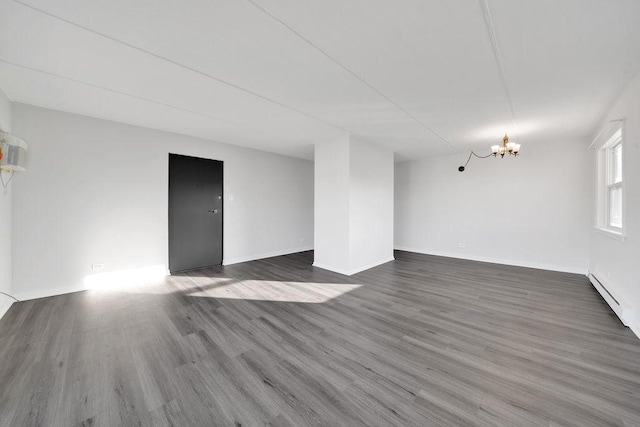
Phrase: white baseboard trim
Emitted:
{"points": [[133, 275], [351, 272], [44, 293], [540, 266], [266, 255], [373, 264], [5, 305], [612, 296], [105, 280]]}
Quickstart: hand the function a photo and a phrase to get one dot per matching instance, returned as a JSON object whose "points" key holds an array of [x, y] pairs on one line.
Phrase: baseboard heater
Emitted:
{"points": [[626, 314]]}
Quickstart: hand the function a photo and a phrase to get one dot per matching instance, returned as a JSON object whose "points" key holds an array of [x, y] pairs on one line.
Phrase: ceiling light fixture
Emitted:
{"points": [[507, 147]]}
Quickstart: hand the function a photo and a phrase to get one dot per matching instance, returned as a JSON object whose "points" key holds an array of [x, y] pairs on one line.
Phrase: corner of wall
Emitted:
{"points": [[635, 328], [5, 305]]}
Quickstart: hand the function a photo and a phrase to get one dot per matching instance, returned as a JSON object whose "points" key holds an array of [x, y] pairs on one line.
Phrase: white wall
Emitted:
{"points": [[5, 217], [353, 205], [371, 205], [615, 261], [331, 218], [533, 210], [96, 192]]}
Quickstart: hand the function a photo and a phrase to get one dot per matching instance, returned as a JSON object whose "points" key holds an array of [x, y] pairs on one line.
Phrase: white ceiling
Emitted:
{"points": [[421, 77]]}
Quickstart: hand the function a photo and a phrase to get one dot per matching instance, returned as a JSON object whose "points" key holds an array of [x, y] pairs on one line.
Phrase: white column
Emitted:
{"points": [[5, 218], [353, 205]]}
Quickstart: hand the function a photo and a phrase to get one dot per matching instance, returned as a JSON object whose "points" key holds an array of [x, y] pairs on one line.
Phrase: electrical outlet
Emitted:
{"points": [[97, 266], [462, 245]]}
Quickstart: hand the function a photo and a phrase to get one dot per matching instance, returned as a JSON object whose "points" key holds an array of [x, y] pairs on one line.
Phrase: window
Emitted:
{"points": [[610, 198]]}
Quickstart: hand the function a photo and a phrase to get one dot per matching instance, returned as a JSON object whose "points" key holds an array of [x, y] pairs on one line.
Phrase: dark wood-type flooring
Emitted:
{"points": [[422, 340]]}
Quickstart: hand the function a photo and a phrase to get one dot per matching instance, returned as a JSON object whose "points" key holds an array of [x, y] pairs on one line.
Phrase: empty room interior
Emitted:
{"points": [[291, 213]]}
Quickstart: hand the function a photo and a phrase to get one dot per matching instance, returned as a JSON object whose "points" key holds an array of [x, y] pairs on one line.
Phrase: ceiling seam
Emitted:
{"points": [[348, 70], [186, 67], [26, 67], [488, 22]]}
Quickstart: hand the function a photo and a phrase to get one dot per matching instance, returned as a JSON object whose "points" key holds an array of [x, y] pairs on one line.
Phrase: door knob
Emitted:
{"points": [[213, 211]]}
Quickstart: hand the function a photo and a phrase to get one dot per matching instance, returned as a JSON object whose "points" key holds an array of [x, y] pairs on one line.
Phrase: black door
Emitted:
{"points": [[195, 212]]}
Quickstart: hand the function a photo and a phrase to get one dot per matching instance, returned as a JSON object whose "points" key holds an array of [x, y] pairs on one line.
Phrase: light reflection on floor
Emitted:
{"points": [[264, 290], [154, 280]]}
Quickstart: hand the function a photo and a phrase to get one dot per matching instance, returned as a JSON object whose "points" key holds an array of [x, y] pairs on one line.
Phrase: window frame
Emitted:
{"points": [[605, 144], [612, 184]]}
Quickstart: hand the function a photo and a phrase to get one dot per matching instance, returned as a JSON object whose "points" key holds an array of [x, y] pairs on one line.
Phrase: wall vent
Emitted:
{"points": [[623, 311]]}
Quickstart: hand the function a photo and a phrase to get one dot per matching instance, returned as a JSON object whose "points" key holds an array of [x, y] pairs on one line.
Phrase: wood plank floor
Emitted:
{"points": [[422, 340]]}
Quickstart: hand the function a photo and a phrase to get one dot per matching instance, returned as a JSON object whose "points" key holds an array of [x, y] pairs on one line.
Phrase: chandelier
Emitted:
{"points": [[507, 147]]}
